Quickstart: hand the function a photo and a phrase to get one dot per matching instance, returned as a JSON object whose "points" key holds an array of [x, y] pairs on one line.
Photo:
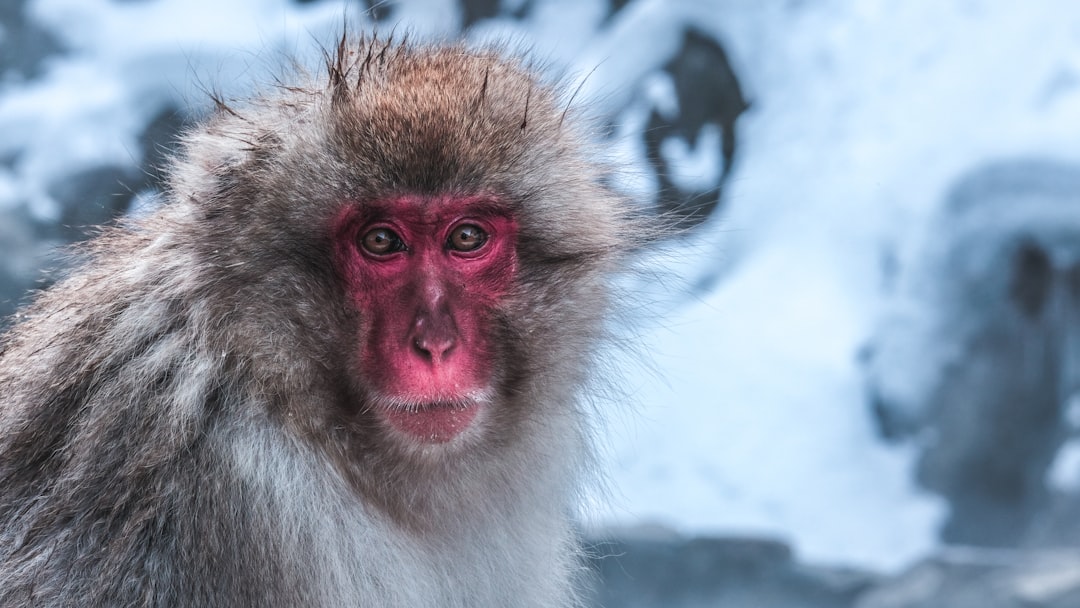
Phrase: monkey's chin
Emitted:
{"points": [[431, 422]]}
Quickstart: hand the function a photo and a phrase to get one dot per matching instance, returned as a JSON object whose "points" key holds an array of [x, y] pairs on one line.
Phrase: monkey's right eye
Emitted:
{"points": [[382, 241]]}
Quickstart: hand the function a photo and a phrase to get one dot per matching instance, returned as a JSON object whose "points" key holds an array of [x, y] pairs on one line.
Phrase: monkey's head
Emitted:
{"points": [[429, 236], [339, 366]]}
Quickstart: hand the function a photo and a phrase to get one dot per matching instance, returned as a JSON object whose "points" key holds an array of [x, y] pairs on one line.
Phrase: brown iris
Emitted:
{"points": [[382, 241], [467, 237]]}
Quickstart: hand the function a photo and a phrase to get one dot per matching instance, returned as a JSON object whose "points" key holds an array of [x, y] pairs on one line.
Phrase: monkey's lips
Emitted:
{"points": [[432, 422]]}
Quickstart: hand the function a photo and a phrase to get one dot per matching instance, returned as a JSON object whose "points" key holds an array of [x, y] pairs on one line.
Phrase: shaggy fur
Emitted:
{"points": [[180, 419]]}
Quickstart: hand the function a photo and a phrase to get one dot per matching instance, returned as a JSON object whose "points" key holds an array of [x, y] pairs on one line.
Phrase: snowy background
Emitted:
{"points": [[749, 411]]}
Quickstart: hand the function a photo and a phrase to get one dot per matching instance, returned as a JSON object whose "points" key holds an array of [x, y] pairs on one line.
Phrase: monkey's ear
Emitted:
{"points": [[1032, 276]]}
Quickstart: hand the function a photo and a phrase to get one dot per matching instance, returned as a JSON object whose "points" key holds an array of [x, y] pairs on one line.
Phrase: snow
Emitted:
{"points": [[698, 168], [862, 114], [1064, 472]]}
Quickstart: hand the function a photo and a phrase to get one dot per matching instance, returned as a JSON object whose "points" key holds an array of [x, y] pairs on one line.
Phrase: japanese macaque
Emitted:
{"points": [[341, 365]]}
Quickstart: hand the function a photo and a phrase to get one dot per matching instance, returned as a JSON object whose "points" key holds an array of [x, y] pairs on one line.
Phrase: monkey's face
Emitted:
{"points": [[425, 275]]}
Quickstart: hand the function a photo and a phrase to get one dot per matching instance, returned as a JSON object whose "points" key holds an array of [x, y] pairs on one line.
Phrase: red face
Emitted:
{"points": [[425, 274]]}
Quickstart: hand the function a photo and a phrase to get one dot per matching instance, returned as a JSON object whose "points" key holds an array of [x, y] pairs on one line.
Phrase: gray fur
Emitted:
{"points": [[180, 422]]}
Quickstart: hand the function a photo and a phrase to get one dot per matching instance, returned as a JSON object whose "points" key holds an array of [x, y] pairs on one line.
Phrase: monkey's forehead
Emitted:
{"points": [[430, 210], [446, 115]]}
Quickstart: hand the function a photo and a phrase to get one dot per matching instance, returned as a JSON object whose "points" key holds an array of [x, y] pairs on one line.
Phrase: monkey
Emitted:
{"points": [[342, 363]]}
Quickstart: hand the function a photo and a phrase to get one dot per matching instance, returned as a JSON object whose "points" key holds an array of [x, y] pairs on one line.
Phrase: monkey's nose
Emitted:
{"points": [[434, 339], [433, 348]]}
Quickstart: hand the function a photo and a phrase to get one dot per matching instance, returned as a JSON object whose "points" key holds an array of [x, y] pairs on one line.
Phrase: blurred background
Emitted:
{"points": [[855, 379]]}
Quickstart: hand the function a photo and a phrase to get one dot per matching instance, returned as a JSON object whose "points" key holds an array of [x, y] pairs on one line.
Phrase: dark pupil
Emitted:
{"points": [[467, 238], [381, 240]]}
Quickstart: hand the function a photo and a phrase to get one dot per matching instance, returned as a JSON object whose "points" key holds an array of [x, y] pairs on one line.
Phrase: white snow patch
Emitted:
{"points": [[697, 168], [1064, 473]]}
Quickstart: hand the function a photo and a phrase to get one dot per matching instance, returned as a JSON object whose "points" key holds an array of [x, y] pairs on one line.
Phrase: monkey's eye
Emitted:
{"points": [[382, 241], [467, 237]]}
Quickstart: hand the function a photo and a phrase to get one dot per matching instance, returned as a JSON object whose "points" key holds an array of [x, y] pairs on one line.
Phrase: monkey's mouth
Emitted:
{"points": [[436, 421]]}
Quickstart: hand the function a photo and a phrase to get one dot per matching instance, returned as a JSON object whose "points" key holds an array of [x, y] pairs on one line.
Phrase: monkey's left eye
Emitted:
{"points": [[382, 241], [467, 237]]}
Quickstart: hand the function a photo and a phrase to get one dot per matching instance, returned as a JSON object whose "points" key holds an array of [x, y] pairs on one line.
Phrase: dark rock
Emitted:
{"points": [[24, 45], [646, 569], [617, 5], [708, 93], [639, 572], [981, 579], [476, 10]]}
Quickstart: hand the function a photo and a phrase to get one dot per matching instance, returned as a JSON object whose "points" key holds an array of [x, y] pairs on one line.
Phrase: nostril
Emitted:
{"points": [[434, 348]]}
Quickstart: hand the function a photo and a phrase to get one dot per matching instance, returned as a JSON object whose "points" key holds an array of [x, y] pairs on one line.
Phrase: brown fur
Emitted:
{"points": [[178, 418]]}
